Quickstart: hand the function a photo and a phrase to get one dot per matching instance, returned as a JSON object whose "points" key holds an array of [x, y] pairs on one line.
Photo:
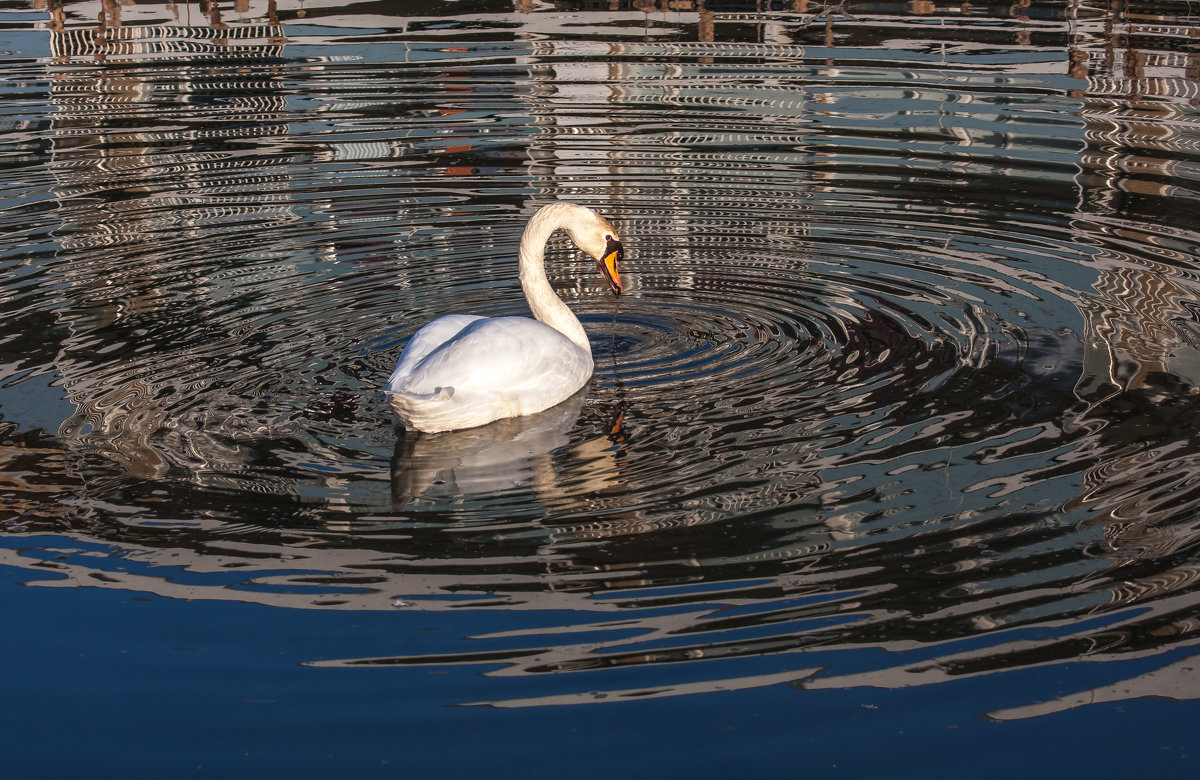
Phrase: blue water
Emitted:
{"points": [[888, 467], [146, 684]]}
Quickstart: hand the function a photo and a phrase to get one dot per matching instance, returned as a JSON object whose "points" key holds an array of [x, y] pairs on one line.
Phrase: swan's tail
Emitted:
{"points": [[422, 411], [446, 409]]}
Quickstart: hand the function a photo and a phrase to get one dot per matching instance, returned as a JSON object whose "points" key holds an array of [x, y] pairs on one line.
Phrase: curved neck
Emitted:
{"points": [[546, 306]]}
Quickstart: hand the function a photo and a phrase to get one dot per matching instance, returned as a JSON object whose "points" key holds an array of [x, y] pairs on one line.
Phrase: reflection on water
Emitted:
{"points": [[909, 360], [485, 463]]}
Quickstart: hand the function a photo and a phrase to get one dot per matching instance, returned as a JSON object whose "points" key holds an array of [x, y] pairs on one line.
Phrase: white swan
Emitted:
{"points": [[461, 371]]}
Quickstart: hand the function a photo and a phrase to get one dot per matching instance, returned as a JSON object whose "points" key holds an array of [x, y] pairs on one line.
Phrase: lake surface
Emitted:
{"points": [[890, 464]]}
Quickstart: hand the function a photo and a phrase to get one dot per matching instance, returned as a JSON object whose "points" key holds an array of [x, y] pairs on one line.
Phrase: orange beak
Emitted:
{"points": [[614, 253]]}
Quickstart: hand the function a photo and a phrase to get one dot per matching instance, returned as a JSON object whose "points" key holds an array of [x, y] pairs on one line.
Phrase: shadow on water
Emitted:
{"points": [[902, 389]]}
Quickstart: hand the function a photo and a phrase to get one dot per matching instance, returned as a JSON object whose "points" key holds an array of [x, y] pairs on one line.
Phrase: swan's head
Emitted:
{"points": [[595, 235]]}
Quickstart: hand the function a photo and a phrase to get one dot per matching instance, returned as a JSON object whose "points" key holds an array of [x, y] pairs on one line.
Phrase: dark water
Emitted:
{"points": [[891, 462]]}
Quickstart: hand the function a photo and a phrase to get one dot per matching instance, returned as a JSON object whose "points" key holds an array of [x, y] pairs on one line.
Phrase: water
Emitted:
{"points": [[892, 438]]}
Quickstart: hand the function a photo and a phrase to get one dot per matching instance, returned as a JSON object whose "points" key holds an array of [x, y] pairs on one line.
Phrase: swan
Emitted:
{"points": [[462, 371]]}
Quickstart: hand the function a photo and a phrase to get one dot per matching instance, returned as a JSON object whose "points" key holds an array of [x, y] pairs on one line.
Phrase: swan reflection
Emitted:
{"points": [[487, 460]]}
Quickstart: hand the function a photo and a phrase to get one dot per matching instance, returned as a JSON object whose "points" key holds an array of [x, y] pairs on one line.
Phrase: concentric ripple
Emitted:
{"points": [[908, 358]]}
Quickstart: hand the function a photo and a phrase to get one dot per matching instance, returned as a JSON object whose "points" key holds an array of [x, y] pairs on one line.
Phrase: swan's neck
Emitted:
{"points": [[546, 306]]}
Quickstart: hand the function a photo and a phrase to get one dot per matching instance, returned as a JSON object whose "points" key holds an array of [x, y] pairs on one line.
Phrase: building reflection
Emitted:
{"points": [[120, 185], [1136, 320], [1139, 337]]}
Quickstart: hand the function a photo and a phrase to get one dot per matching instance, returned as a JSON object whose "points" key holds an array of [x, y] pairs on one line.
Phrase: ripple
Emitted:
{"points": [[907, 361]]}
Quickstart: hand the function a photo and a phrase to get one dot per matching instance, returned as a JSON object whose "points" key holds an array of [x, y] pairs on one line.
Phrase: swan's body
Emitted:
{"points": [[461, 371]]}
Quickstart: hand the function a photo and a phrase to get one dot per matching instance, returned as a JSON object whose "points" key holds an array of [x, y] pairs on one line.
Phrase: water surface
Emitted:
{"points": [[892, 439]]}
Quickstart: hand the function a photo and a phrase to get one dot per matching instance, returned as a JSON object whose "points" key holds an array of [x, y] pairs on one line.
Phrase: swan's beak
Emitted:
{"points": [[614, 253]]}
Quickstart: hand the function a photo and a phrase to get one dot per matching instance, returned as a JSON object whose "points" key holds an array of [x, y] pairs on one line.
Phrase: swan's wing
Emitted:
{"points": [[426, 340], [501, 354]]}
